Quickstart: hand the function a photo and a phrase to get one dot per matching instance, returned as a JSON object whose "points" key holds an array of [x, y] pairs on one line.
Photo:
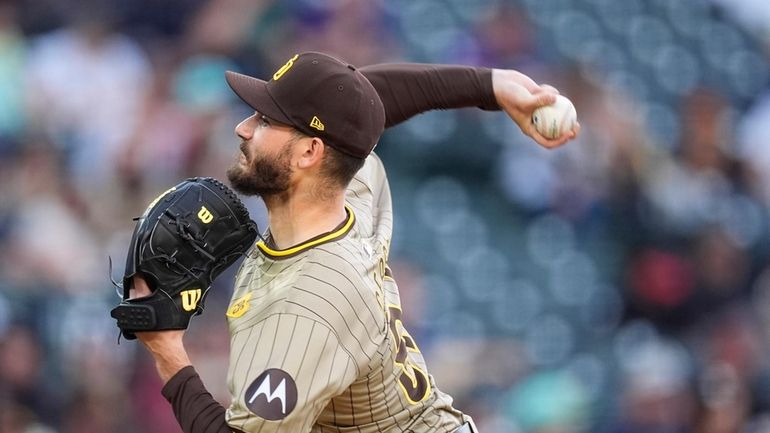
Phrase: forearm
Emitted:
{"points": [[407, 89], [168, 351], [194, 407]]}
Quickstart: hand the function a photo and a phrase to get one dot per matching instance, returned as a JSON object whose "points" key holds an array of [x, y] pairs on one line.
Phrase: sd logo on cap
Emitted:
{"points": [[282, 70]]}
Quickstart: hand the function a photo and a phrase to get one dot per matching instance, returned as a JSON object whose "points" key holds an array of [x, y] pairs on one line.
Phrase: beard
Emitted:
{"points": [[262, 176]]}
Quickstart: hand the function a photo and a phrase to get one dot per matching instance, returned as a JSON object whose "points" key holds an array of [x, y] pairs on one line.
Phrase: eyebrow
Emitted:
{"points": [[271, 120]]}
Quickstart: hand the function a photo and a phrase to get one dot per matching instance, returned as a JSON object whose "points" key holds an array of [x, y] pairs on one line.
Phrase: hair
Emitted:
{"points": [[340, 167], [337, 167]]}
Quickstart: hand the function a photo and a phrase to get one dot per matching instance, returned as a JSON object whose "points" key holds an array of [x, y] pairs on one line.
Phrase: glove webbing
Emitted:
{"points": [[184, 233]]}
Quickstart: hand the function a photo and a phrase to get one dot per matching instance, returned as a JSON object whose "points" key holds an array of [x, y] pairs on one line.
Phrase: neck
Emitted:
{"points": [[296, 219]]}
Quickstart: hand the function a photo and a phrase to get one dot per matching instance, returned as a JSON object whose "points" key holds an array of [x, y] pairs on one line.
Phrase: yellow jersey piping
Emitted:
{"points": [[326, 237]]}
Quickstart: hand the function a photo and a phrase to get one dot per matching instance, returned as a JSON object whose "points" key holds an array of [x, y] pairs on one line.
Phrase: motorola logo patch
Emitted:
{"points": [[272, 395]]}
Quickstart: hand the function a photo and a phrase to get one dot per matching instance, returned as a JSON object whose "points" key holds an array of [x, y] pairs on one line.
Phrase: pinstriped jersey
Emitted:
{"points": [[317, 343]]}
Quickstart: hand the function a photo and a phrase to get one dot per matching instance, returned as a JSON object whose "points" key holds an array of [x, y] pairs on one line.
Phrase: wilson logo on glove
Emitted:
{"points": [[178, 244], [205, 215], [190, 299]]}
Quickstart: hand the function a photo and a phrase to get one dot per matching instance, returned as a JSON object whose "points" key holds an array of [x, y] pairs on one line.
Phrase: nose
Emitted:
{"points": [[245, 129]]}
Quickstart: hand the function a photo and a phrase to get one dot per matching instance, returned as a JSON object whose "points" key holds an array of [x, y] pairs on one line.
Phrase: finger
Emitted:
{"points": [[552, 143], [538, 137], [567, 136], [544, 98], [139, 288], [556, 142], [549, 88], [576, 130]]}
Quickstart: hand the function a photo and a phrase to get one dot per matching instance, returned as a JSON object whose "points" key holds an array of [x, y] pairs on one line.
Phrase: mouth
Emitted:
{"points": [[242, 157]]}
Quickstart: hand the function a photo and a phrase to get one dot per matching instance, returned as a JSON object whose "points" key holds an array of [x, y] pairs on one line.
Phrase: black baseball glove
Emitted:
{"points": [[185, 239]]}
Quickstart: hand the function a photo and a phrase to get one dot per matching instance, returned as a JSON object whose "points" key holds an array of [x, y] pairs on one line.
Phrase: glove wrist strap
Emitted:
{"points": [[134, 318]]}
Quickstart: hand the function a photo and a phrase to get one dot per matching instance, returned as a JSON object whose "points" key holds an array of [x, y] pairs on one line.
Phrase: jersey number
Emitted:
{"points": [[414, 382]]}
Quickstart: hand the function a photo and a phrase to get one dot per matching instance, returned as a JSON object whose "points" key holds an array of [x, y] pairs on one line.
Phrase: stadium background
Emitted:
{"points": [[619, 284]]}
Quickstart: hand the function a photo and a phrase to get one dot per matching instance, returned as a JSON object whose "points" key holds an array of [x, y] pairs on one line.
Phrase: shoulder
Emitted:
{"points": [[373, 169], [338, 269], [335, 286]]}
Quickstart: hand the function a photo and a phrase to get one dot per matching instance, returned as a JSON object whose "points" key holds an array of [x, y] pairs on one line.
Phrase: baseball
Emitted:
{"points": [[554, 120]]}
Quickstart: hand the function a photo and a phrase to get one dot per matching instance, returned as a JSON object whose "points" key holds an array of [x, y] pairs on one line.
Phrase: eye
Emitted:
{"points": [[264, 121]]}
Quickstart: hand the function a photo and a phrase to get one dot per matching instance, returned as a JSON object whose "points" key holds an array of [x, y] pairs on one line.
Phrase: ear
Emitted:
{"points": [[313, 149]]}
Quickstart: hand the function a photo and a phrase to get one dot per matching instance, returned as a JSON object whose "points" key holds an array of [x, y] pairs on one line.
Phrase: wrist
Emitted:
{"points": [[501, 78], [167, 348], [168, 363]]}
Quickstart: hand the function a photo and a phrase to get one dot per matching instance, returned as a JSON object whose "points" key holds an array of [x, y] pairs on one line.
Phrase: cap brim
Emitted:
{"points": [[253, 92]]}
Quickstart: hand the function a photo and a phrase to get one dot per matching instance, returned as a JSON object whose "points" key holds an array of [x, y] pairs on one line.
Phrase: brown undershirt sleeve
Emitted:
{"points": [[407, 89], [194, 407]]}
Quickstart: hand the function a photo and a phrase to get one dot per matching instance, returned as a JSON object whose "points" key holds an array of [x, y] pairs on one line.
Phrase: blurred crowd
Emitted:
{"points": [[620, 284]]}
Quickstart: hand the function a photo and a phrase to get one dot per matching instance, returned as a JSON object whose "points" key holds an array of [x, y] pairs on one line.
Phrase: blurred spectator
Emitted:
{"points": [[686, 193], [86, 85], [661, 282], [726, 401], [25, 397], [656, 395], [15, 418], [177, 115], [506, 37], [51, 244]]}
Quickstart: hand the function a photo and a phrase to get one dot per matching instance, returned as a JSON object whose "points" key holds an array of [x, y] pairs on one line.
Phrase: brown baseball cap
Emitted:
{"points": [[320, 96]]}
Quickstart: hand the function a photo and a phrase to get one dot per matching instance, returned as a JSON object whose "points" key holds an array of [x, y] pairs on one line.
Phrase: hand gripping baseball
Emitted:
{"points": [[182, 242], [519, 96]]}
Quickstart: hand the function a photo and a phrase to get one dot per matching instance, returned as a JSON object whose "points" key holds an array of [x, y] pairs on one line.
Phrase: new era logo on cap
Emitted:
{"points": [[316, 123], [313, 86]]}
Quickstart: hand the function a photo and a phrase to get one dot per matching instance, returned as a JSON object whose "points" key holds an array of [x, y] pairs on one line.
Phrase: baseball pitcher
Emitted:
{"points": [[317, 343]]}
